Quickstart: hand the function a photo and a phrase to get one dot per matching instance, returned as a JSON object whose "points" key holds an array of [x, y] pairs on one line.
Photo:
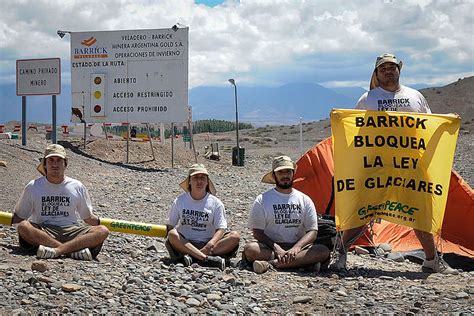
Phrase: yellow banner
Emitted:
{"points": [[392, 165]]}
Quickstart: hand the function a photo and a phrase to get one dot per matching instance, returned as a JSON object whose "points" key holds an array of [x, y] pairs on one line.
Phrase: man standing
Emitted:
{"points": [[284, 223], [387, 94], [47, 213]]}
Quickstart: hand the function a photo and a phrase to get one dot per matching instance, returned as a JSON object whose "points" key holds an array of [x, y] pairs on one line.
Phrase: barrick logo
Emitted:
{"points": [[90, 52], [90, 41]]}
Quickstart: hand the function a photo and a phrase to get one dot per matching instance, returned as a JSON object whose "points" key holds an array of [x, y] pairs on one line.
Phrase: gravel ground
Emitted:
{"points": [[133, 275]]}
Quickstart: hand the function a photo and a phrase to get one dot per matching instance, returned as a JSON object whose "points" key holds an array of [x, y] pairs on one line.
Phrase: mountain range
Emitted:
{"points": [[257, 105], [284, 104]]}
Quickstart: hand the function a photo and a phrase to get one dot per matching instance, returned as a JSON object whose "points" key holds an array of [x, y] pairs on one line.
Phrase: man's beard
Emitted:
{"points": [[284, 185], [390, 80]]}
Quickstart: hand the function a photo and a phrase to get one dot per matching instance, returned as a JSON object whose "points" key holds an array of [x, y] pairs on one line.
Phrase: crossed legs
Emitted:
{"points": [[224, 246], [308, 256], [95, 236]]}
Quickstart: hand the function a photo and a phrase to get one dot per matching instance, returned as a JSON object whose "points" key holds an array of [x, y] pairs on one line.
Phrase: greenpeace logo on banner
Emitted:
{"points": [[90, 52], [399, 167]]}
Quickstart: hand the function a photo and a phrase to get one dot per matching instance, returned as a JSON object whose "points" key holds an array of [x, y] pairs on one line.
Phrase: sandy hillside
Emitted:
{"points": [[132, 273]]}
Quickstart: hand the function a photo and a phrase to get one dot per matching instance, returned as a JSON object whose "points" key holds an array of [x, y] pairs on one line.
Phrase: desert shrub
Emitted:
{"points": [[223, 139], [212, 126]]}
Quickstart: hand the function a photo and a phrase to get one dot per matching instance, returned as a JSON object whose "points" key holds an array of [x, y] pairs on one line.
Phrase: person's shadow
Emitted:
{"points": [[19, 251]]}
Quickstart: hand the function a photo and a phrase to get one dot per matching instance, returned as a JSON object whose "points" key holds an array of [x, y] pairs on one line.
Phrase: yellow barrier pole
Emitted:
{"points": [[114, 225], [6, 218], [134, 228]]}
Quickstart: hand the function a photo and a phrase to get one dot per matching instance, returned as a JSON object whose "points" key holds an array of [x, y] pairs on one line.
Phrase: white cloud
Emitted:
{"points": [[264, 42]]}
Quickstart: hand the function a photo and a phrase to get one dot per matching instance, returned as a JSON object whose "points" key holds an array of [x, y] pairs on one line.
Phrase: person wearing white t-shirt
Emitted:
{"points": [[284, 223], [197, 223], [387, 94], [49, 210]]}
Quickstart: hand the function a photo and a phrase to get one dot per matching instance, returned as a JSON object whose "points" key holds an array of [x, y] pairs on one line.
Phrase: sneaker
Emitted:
{"points": [[44, 252], [216, 261], [188, 260], [313, 268], [317, 267], [260, 266], [83, 254], [437, 265], [338, 261]]}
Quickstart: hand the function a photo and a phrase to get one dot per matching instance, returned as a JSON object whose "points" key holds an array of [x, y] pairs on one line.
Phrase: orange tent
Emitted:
{"points": [[314, 176]]}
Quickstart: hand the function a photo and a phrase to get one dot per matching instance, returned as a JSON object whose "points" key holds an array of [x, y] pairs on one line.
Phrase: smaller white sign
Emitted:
{"points": [[38, 76]]}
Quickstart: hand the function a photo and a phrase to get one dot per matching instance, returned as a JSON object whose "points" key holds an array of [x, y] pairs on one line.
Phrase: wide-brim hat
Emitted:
{"points": [[198, 169], [279, 163], [382, 59], [51, 150]]}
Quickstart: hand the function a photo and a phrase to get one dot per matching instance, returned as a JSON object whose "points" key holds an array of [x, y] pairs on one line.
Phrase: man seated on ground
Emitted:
{"points": [[47, 213], [197, 223], [284, 223]]}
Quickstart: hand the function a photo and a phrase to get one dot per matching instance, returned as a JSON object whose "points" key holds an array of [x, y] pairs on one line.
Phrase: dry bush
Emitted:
{"points": [[223, 139]]}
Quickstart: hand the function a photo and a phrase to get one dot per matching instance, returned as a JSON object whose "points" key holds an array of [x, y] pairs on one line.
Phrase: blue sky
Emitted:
{"points": [[263, 42], [210, 3]]}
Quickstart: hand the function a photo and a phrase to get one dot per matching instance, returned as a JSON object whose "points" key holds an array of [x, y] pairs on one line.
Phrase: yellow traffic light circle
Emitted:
{"points": [[97, 94]]}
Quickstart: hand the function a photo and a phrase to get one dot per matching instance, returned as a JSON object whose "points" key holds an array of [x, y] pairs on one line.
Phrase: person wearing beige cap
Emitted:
{"points": [[284, 223], [48, 209], [387, 94], [197, 223]]}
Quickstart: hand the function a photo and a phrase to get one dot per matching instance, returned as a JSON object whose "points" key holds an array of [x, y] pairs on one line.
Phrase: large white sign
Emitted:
{"points": [[38, 76], [135, 76]]}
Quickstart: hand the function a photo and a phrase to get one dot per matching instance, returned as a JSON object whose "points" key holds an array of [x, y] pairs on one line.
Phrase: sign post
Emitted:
{"points": [[38, 77], [23, 120]]}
